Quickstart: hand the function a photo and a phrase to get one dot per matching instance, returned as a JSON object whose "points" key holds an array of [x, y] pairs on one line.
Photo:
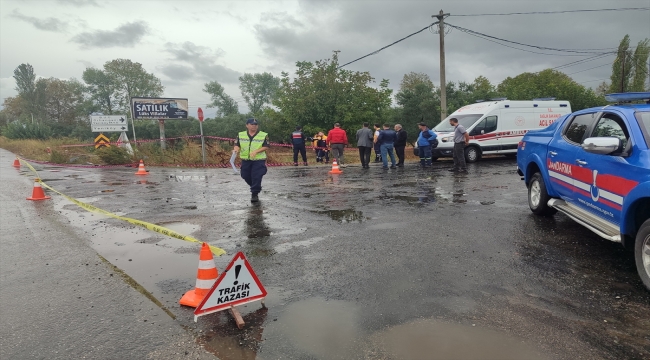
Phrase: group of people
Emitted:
{"points": [[386, 142]]}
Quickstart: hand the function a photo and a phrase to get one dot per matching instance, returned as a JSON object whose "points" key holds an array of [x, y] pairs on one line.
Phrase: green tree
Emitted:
{"points": [[418, 100], [412, 79], [31, 91], [321, 94], [549, 83], [131, 80], [258, 90], [622, 68], [482, 89], [225, 104], [640, 70], [102, 90], [64, 101]]}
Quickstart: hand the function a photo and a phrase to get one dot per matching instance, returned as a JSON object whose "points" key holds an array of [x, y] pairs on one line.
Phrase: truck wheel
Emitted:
{"points": [[642, 253], [472, 154], [538, 197]]}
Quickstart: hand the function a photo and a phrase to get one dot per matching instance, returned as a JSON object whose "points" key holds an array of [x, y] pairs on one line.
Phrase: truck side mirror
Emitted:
{"points": [[602, 145]]}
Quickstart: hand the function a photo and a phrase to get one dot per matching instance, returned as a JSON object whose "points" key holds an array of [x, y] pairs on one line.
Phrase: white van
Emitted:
{"points": [[497, 126]]}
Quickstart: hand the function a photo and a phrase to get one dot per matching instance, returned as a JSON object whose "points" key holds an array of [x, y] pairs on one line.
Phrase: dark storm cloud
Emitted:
{"points": [[79, 3], [361, 27], [202, 63], [178, 73], [127, 35], [47, 24]]}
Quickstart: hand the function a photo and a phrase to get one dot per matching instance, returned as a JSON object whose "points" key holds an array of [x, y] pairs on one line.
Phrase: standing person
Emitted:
{"points": [[461, 139], [298, 141], [365, 143], [424, 141], [386, 140], [377, 149], [400, 144], [251, 146], [320, 143], [337, 139]]}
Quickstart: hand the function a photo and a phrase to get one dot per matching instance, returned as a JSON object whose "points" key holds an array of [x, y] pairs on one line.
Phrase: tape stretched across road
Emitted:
{"points": [[149, 226]]}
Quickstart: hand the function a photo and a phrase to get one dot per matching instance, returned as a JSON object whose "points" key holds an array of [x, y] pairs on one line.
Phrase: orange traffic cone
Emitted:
{"points": [[335, 168], [17, 163], [141, 170], [205, 278], [38, 193]]}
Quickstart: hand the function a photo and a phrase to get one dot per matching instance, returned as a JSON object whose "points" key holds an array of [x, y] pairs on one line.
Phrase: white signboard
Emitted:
{"points": [[108, 123]]}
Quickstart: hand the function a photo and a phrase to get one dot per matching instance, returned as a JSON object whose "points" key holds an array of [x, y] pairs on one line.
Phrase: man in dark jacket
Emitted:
{"points": [[298, 141], [364, 143], [400, 144], [386, 141]]}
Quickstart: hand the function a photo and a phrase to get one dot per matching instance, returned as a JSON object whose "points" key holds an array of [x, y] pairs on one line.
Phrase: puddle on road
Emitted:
{"points": [[290, 245], [227, 342], [323, 329], [432, 339], [180, 178], [343, 216]]}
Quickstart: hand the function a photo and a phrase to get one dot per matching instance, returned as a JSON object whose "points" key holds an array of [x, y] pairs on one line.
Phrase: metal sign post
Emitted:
{"points": [[161, 126], [200, 113]]}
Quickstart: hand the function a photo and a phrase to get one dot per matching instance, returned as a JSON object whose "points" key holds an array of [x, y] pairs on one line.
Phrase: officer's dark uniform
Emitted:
{"points": [[298, 141]]}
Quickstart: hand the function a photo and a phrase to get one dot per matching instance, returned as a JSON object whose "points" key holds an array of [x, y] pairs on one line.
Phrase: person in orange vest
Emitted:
{"points": [[322, 152]]}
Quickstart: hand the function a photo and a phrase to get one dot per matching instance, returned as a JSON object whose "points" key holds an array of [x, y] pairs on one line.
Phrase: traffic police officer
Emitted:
{"points": [[251, 146]]}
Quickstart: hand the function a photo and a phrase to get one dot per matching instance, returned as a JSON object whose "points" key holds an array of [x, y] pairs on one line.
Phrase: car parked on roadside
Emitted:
{"points": [[593, 165]]}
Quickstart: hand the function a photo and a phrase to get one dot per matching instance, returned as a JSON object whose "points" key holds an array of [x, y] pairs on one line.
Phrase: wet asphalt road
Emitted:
{"points": [[371, 264]]}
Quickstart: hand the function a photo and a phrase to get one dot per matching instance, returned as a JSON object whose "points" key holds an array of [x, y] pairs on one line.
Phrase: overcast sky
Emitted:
{"points": [[188, 43]]}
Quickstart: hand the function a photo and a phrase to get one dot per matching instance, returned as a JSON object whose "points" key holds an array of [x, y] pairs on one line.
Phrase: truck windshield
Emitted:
{"points": [[643, 117], [465, 120]]}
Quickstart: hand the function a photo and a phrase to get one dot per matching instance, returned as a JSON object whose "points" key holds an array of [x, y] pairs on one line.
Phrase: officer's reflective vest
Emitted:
{"points": [[246, 145]]}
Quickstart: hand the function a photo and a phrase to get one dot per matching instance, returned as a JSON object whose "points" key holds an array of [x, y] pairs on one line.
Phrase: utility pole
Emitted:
{"points": [[443, 82]]}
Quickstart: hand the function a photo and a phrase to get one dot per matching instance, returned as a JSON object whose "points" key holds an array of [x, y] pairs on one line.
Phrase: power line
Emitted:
{"points": [[516, 48], [387, 46], [592, 58], [556, 12], [608, 64], [584, 82], [578, 51]]}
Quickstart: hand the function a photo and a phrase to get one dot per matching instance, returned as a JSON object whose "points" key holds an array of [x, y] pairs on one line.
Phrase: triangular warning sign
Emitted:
{"points": [[237, 285]]}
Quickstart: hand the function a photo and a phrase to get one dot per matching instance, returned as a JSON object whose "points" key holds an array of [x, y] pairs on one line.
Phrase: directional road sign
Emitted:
{"points": [[108, 123]]}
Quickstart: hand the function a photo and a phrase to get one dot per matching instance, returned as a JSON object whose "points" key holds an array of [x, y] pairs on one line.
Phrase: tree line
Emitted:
{"points": [[315, 96]]}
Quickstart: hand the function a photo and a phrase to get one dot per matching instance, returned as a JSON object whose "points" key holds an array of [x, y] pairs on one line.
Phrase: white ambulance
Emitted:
{"points": [[497, 126]]}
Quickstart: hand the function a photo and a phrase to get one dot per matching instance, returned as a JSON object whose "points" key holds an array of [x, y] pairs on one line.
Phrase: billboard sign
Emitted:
{"points": [[159, 108]]}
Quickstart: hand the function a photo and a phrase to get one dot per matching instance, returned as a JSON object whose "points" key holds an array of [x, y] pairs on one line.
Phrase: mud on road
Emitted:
{"points": [[373, 264]]}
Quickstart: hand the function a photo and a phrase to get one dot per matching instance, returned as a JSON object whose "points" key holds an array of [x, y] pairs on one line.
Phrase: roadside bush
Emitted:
{"points": [[58, 157], [17, 130], [114, 155]]}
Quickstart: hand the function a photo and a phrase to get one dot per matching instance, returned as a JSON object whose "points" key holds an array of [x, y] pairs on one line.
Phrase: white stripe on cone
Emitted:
{"points": [[205, 284], [206, 264]]}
